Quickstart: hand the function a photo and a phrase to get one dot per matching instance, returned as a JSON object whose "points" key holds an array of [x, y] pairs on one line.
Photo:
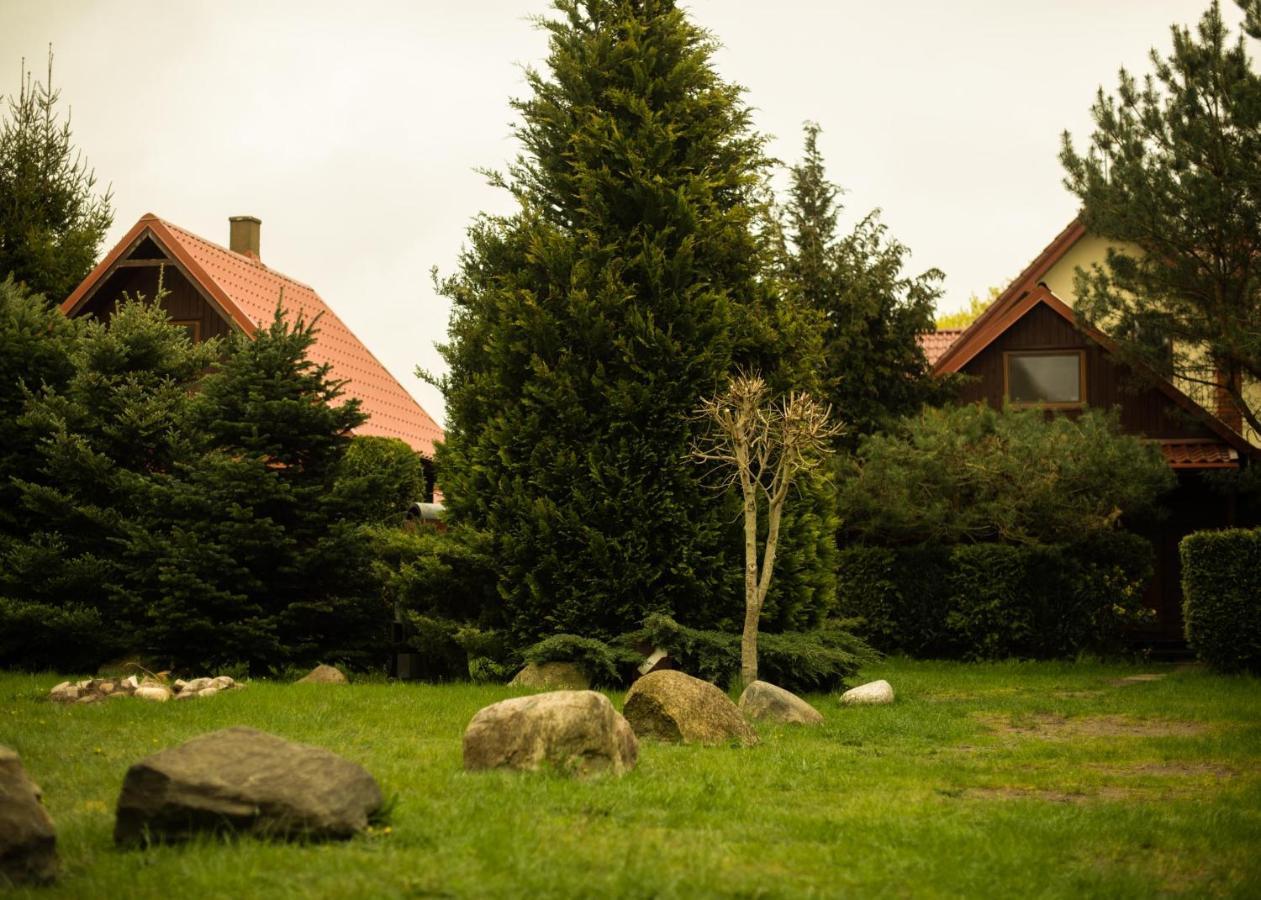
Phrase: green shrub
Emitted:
{"points": [[379, 478], [796, 661], [434, 641], [989, 601], [602, 663], [897, 595], [1221, 587], [67, 638]]}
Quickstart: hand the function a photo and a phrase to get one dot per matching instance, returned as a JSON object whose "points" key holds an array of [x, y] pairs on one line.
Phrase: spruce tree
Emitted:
{"points": [[98, 435], [872, 311], [588, 324], [52, 221], [247, 552]]}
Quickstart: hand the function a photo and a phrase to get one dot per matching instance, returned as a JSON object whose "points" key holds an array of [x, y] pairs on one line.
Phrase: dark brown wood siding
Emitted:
{"points": [[183, 302], [1144, 410]]}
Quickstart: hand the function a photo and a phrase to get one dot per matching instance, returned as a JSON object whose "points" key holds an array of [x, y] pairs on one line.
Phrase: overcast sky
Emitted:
{"points": [[353, 130]]}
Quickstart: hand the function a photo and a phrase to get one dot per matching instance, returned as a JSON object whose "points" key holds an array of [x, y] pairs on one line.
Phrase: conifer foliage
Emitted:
{"points": [[871, 310], [587, 324], [52, 221]]}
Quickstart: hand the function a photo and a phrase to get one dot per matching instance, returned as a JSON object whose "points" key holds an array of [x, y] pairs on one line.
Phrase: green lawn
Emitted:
{"points": [[1008, 780]]}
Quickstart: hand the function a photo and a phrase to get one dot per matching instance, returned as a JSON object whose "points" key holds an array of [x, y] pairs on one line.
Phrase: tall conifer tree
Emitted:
{"points": [[588, 324]]}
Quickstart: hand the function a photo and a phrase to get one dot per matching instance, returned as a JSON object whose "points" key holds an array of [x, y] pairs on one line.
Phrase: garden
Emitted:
{"points": [[718, 589]]}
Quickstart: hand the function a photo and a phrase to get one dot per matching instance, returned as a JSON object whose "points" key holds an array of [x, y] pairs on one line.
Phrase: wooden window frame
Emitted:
{"points": [[1080, 403], [194, 324]]}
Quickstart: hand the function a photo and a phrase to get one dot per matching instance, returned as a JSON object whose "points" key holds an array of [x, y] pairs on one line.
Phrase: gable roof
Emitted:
{"points": [[1028, 292], [245, 292]]}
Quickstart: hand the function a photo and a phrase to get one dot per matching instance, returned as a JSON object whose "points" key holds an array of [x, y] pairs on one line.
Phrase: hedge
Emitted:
{"points": [[1221, 589], [990, 601]]}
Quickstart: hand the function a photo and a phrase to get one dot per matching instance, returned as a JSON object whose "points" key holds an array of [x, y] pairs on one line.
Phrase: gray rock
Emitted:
{"points": [[64, 693], [764, 702], [552, 676], [874, 692], [673, 706], [155, 692], [245, 781], [323, 675], [28, 839], [576, 732]]}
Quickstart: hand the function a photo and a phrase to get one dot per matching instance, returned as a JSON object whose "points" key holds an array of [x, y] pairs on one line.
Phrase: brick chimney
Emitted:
{"points": [[243, 235]]}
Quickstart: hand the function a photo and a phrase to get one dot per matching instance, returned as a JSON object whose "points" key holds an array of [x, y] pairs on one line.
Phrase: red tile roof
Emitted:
{"points": [[247, 292], [1204, 454], [936, 343]]}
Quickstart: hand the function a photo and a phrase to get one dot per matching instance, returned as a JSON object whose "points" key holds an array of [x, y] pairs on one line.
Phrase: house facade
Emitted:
{"points": [[1027, 349], [213, 291]]}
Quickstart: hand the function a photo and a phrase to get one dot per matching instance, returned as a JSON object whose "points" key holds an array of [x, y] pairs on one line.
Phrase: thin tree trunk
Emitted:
{"points": [[752, 604]]}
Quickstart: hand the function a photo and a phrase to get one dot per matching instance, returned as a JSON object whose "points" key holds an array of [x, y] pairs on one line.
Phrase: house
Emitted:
{"points": [[213, 290], [1027, 349]]}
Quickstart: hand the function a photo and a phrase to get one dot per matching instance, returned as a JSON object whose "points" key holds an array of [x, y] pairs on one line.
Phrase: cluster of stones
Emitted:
{"points": [[577, 731], [92, 690]]}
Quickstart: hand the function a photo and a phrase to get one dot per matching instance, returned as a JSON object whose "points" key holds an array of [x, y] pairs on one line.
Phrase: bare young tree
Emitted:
{"points": [[762, 445]]}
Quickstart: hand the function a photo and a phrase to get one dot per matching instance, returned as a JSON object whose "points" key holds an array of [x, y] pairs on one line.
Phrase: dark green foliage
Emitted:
{"points": [[98, 438], [51, 222], [380, 478], [588, 324], [869, 312], [970, 474], [817, 660], [899, 594], [1171, 176], [991, 601], [603, 664], [36, 343], [246, 551], [35, 635], [442, 657], [1221, 586]]}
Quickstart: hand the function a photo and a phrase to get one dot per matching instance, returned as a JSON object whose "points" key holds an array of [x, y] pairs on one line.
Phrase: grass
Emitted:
{"points": [[1033, 780]]}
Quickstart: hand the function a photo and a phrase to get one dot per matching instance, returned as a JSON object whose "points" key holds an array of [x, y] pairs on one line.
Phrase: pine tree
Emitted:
{"points": [[51, 220], [1172, 177], [588, 325], [872, 312]]}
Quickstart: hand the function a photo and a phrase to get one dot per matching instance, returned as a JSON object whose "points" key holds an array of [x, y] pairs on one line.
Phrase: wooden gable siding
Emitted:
{"points": [[1144, 410], [183, 301]]}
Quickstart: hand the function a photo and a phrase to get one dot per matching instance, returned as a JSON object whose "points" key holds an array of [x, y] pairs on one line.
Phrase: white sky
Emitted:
{"points": [[353, 129]]}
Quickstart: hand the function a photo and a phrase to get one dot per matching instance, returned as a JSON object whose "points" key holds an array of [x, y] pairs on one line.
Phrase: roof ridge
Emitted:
{"points": [[251, 260]]}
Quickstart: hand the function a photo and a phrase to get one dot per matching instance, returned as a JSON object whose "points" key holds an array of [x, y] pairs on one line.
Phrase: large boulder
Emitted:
{"points": [[28, 840], [872, 693], [577, 732], [247, 781], [322, 674], [764, 702], [552, 676], [673, 706]]}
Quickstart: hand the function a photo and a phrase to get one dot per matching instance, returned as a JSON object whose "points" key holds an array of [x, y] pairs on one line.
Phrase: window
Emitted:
{"points": [[1055, 378], [191, 326]]}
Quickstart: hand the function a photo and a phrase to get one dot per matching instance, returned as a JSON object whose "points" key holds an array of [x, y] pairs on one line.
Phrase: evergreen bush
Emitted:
{"points": [[816, 660], [603, 664], [1221, 588]]}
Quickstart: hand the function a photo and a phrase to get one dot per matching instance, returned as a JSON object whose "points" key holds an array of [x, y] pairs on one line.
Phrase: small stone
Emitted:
{"points": [[131, 682], [89, 698], [196, 685], [64, 693], [154, 692], [105, 687], [208, 691], [575, 732], [673, 706], [764, 702], [243, 780], [28, 839], [323, 675], [556, 676], [178, 685], [872, 693], [186, 695], [222, 683]]}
